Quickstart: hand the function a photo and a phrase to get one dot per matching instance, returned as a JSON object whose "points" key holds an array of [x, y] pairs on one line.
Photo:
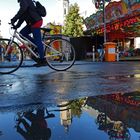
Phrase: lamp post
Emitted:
{"points": [[100, 4], [0, 30], [104, 20]]}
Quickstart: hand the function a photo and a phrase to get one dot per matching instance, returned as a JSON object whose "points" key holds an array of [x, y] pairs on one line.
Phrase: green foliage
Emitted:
{"points": [[74, 22], [76, 107]]}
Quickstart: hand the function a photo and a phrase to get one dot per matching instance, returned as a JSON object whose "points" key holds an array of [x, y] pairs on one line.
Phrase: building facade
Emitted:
{"points": [[62, 8]]}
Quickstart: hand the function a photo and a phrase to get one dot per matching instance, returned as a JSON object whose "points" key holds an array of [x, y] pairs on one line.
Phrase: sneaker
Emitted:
{"points": [[40, 63]]}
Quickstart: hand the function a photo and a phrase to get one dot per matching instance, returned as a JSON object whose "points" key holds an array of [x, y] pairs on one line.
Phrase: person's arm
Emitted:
{"points": [[20, 21], [24, 4]]}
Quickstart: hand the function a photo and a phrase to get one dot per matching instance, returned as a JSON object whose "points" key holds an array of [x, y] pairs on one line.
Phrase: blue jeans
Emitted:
{"points": [[37, 39], [101, 54]]}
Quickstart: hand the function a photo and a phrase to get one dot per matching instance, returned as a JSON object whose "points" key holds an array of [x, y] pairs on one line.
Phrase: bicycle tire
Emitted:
{"points": [[63, 60], [13, 60]]}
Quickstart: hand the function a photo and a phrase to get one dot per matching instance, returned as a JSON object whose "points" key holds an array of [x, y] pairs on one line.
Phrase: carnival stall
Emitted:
{"points": [[122, 20]]}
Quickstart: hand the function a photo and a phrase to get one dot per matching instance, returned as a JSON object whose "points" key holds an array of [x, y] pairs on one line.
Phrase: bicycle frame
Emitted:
{"points": [[18, 36]]}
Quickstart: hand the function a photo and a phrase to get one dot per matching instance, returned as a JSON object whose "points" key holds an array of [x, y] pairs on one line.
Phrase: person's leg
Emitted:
{"points": [[26, 31], [23, 133], [102, 54], [99, 54], [25, 124], [38, 41]]}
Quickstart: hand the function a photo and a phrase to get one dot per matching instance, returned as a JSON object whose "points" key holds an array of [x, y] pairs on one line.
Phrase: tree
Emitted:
{"points": [[76, 107], [74, 22]]}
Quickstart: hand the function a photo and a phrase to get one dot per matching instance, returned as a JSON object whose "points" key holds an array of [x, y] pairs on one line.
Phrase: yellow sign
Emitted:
{"points": [[56, 29]]}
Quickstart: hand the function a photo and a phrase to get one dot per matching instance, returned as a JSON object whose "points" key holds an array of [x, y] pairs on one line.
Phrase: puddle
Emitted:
{"points": [[104, 117], [119, 77]]}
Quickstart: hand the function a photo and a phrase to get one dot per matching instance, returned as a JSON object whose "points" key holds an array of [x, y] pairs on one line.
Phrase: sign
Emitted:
{"points": [[111, 51], [114, 11], [56, 29], [121, 25]]}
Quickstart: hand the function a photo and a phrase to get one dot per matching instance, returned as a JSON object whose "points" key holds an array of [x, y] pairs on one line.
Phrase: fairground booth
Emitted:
{"points": [[121, 21]]}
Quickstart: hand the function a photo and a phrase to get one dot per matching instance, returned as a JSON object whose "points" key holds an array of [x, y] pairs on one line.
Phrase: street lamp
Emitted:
{"points": [[0, 30], [100, 4], [104, 20]]}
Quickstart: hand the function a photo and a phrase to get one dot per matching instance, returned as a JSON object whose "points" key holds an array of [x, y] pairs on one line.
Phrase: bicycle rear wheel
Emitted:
{"points": [[11, 56], [60, 54]]}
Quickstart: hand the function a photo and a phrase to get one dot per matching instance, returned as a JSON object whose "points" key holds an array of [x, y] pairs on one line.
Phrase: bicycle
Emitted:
{"points": [[43, 111], [59, 52]]}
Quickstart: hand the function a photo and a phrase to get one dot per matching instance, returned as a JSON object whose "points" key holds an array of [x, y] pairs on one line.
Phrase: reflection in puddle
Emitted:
{"points": [[105, 117], [117, 113], [122, 77]]}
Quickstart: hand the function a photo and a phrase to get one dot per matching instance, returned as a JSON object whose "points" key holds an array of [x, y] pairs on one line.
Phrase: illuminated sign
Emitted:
{"points": [[122, 99], [120, 16], [118, 25]]}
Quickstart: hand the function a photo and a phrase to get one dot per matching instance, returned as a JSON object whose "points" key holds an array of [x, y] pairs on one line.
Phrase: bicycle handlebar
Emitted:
{"points": [[12, 26]]}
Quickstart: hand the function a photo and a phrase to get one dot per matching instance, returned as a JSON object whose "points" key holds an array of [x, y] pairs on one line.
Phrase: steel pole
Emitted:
{"points": [[104, 20]]}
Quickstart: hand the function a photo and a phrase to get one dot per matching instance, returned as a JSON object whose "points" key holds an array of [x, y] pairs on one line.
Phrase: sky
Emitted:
{"points": [[8, 8]]}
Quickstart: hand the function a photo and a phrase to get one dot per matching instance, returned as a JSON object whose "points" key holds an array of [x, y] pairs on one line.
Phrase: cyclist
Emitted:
{"points": [[29, 14], [33, 126]]}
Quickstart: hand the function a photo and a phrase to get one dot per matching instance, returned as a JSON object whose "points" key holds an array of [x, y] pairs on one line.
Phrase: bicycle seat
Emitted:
{"points": [[46, 29]]}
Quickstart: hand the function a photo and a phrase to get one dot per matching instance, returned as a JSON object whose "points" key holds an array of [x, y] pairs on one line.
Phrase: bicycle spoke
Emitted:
{"points": [[11, 56], [60, 55]]}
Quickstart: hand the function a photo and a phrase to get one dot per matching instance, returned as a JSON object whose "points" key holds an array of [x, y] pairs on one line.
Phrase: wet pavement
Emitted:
{"points": [[91, 100]]}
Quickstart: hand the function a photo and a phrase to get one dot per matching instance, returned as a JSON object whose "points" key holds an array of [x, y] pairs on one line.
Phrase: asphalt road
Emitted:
{"points": [[31, 85]]}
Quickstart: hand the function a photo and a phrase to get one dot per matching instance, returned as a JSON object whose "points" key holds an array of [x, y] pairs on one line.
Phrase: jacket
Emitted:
{"points": [[27, 12]]}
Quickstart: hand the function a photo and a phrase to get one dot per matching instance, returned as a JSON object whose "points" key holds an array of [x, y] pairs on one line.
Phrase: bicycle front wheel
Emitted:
{"points": [[60, 54], [11, 56]]}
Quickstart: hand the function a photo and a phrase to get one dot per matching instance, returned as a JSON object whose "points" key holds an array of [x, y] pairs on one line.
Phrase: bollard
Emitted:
{"points": [[93, 54], [117, 53], [1, 54]]}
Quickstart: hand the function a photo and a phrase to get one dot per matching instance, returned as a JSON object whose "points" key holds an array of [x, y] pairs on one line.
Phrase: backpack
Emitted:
{"points": [[40, 9]]}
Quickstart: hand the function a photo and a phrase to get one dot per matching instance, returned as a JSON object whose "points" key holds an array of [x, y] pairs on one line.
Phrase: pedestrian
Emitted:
{"points": [[100, 50], [34, 21]]}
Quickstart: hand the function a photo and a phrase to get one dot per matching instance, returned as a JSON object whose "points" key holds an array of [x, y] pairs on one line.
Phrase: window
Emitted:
{"points": [[65, 11]]}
